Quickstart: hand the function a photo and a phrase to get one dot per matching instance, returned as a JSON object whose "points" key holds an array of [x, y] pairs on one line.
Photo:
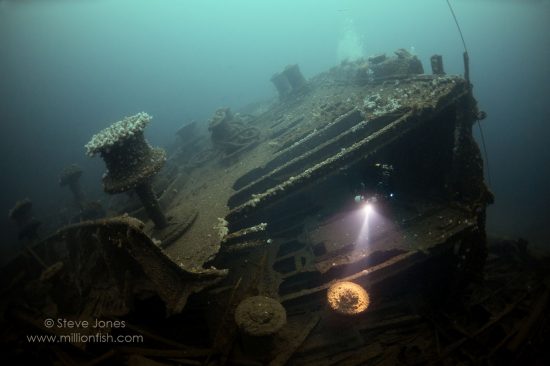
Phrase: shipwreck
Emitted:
{"points": [[306, 230]]}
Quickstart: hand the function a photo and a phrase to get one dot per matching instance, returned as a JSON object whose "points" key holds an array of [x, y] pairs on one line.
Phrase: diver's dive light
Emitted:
{"points": [[367, 204], [367, 208]]}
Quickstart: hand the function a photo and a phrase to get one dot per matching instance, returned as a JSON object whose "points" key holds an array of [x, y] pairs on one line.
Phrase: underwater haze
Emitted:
{"points": [[70, 68]]}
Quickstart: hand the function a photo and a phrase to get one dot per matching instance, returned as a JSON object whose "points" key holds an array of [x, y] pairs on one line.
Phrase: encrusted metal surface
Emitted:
{"points": [[107, 262]]}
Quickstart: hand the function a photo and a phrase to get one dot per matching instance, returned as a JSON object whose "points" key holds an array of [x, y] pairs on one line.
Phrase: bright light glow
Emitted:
{"points": [[347, 298], [367, 208]]}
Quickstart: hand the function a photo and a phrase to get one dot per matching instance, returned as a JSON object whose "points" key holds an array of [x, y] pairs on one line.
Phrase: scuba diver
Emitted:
{"points": [[376, 184]]}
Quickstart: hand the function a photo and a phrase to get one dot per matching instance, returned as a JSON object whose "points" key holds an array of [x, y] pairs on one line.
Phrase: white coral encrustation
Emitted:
{"points": [[118, 131], [221, 228]]}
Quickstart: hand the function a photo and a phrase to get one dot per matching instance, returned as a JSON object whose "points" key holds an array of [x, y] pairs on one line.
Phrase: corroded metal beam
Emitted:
{"points": [[350, 155], [312, 155], [309, 142]]}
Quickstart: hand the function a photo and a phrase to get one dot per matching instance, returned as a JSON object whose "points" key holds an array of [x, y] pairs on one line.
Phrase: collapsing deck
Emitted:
{"points": [[279, 198], [431, 189], [295, 217]]}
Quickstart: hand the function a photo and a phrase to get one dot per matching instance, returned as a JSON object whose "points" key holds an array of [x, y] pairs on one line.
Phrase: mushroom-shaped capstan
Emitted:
{"points": [[70, 175], [348, 298], [115, 134], [131, 161], [21, 212], [260, 316], [221, 116], [187, 131]]}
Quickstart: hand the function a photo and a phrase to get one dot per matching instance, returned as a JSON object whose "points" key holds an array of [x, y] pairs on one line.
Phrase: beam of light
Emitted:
{"points": [[367, 211]]}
